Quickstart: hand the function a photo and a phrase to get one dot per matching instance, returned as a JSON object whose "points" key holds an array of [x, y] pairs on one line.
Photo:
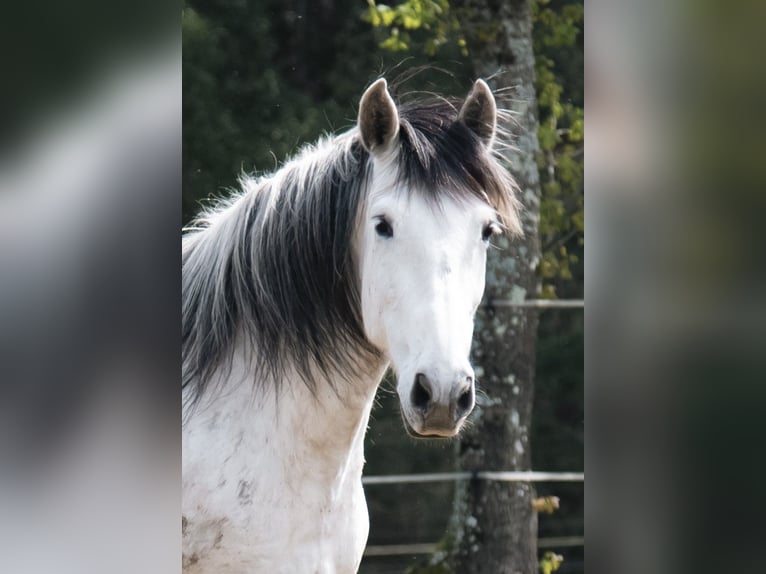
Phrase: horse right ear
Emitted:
{"points": [[378, 118], [479, 112]]}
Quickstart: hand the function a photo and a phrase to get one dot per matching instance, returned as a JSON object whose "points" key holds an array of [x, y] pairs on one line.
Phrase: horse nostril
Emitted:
{"points": [[465, 400], [421, 393]]}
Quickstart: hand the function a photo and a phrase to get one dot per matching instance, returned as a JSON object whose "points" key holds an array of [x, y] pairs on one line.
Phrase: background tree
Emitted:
{"points": [[495, 524]]}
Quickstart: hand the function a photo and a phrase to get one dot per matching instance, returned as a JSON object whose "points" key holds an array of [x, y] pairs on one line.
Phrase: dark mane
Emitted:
{"points": [[440, 155], [273, 265]]}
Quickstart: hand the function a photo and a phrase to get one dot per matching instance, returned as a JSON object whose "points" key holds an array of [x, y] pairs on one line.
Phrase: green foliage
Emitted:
{"points": [[558, 28], [431, 16], [550, 562], [562, 25]]}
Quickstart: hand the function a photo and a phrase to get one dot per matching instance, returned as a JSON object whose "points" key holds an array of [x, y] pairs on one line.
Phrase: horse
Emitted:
{"points": [[365, 251]]}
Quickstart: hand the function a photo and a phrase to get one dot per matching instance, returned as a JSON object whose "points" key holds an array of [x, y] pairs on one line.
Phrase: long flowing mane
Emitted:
{"points": [[273, 268]]}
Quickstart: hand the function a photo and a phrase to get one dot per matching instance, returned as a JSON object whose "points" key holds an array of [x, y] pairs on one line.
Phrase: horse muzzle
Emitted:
{"points": [[438, 409]]}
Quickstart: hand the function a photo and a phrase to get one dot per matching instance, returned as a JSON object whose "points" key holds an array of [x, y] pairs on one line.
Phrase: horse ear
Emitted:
{"points": [[479, 112], [378, 118]]}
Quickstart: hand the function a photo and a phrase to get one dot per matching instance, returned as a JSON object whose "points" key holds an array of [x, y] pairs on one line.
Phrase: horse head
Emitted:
{"points": [[422, 252]]}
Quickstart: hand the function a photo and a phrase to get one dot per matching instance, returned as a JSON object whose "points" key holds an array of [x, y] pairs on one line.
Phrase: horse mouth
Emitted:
{"points": [[429, 433]]}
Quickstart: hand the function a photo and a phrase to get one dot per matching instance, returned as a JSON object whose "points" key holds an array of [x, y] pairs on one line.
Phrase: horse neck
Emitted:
{"points": [[328, 426], [318, 434]]}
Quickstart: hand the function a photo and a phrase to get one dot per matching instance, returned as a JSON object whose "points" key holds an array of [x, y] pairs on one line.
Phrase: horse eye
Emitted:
{"points": [[384, 229], [489, 230]]}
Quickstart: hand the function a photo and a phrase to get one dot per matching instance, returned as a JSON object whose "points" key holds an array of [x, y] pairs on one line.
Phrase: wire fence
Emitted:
{"points": [[505, 476], [430, 548], [538, 303]]}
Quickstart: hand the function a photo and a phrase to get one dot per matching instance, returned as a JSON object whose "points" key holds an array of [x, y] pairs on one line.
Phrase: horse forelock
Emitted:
{"points": [[272, 267], [441, 156]]}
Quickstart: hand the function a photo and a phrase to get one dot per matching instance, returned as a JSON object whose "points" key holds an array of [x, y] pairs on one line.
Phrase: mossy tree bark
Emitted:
{"points": [[494, 525]]}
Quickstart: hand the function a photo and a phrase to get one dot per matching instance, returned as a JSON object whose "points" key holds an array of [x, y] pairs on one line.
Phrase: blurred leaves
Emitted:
{"points": [[546, 504], [550, 562], [558, 31], [433, 17]]}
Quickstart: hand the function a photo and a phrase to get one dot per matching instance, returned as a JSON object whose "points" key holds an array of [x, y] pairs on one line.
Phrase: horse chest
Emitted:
{"points": [[256, 500]]}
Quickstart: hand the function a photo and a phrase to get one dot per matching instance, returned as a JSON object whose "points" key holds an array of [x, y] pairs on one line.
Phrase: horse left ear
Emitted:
{"points": [[378, 117], [479, 112]]}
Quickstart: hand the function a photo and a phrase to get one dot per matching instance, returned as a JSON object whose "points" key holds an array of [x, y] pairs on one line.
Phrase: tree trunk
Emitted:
{"points": [[494, 525]]}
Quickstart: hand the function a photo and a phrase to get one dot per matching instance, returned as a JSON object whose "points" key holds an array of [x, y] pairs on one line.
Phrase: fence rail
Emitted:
{"points": [[430, 548], [510, 476], [506, 476], [539, 303]]}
